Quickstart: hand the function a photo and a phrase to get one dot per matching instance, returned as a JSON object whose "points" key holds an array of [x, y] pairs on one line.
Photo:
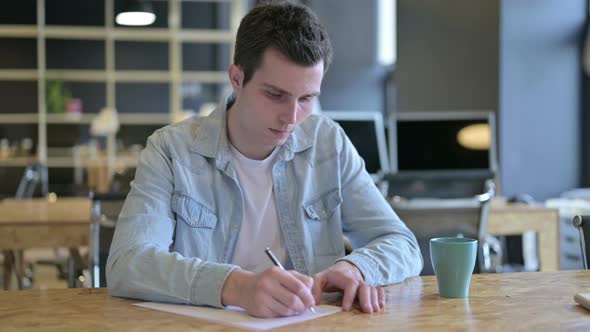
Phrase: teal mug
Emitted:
{"points": [[453, 260]]}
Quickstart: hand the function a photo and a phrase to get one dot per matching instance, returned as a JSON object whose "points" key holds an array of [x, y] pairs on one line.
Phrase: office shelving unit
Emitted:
{"points": [[175, 36]]}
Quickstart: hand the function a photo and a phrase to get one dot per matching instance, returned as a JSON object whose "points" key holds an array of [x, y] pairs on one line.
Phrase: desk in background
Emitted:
{"points": [[535, 301], [38, 223], [515, 219]]}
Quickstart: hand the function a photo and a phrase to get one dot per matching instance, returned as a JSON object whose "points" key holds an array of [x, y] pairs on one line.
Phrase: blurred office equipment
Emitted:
{"points": [[106, 124], [582, 223], [498, 75], [441, 154], [105, 212], [366, 131], [462, 216], [35, 175], [442, 140], [436, 184], [571, 204], [443, 168]]}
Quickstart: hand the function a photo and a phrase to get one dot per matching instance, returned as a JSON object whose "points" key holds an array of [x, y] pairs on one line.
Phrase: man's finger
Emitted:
{"points": [[273, 284], [317, 288], [381, 297], [307, 280], [350, 292], [289, 299], [297, 288], [265, 306], [364, 295], [278, 309], [308, 296], [375, 299]]}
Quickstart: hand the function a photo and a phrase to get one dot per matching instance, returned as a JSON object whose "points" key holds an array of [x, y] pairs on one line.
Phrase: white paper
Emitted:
{"points": [[236, 316]]}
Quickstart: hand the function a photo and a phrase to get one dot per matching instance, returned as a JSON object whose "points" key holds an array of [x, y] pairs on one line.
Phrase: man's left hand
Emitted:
{"points": [[347, 278]]}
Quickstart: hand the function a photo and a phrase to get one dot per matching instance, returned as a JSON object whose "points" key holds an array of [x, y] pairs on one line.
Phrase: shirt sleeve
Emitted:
{"points": [[140, 264], [386, 250]]}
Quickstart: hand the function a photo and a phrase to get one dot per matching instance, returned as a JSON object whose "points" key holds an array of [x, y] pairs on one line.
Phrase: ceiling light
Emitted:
{"points": [[136, 13]]}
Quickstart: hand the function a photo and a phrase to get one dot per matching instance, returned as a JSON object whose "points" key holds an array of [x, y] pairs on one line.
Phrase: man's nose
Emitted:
{"points": [[289, 114]]}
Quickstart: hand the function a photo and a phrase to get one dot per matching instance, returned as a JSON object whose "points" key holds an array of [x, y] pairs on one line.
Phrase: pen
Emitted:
{"points": [[277, 263]]}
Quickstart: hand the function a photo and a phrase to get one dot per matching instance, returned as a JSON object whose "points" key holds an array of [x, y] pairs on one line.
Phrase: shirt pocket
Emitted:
{"points": [[323, 223], [194, 226]]}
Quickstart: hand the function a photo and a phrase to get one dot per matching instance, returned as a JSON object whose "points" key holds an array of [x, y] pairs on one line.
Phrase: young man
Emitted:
{"points": [[210, 194]]}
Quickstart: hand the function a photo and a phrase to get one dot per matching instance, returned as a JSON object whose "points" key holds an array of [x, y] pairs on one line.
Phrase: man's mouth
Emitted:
{"points": [[280, 132]]}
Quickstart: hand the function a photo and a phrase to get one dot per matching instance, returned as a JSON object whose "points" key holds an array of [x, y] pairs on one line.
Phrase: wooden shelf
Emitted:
{"points": [[124, 160], [107, 77], [125, 76], [66, 118], [143, 76], [75, 32], [141, 34], [86, 118], [124, 118], [18, 31], [144, 118], [17, 161], [205, 76], [19, 74], [205, 36], [19, 118], [79, 75], [118, 34]]}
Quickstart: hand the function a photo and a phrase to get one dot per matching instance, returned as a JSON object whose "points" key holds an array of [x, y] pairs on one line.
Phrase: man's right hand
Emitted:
{"points": [[271, 293]]}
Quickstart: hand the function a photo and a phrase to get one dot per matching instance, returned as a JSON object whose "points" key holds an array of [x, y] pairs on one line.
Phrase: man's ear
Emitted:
{"points": [[236, 77]]}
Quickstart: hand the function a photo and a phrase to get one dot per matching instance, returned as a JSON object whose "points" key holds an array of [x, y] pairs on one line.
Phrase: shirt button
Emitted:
{"points": [[235, 226]]}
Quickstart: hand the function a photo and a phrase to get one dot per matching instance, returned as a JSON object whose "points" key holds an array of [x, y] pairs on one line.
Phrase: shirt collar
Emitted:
{"points": [[210, 137]]}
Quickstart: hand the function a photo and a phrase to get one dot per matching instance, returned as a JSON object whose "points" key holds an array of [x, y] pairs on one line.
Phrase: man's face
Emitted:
{"points": [[277, 99]]}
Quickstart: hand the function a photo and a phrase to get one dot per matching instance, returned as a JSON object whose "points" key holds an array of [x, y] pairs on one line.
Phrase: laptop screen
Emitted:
{"points": [[366, 131], [443, 141], [430, 145]]}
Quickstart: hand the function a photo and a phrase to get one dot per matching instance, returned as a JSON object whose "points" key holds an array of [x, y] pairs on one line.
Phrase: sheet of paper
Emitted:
{"points": [[235, 316]]}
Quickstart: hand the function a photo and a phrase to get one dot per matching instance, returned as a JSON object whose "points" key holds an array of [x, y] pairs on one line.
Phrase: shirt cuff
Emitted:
{"points": [[206, 289], [366, 265]]}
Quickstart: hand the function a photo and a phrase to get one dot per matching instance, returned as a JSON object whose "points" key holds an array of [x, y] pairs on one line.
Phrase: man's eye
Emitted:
{"points": [[305, 99], [273, 95]]}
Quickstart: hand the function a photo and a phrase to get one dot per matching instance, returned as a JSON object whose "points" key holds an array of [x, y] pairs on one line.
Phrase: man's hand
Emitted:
{"points": [[344, 276], [271, 293]]}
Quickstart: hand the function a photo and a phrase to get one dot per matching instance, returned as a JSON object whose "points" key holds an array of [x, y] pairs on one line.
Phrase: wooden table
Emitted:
{"points": [[537, 301], [39, 223], [515, 219]]}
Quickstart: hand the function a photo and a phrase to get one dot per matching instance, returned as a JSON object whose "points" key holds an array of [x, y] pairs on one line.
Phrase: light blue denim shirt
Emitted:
{"points": [[176, 235]]}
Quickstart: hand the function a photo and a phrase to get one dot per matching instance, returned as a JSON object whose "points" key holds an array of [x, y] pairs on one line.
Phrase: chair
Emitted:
{"points": [[105, 212], [582, 223], [450, 217], [35, 174]]}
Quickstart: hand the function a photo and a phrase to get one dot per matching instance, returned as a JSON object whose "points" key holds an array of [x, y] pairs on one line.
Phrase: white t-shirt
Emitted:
{"points": [[260, 224]]}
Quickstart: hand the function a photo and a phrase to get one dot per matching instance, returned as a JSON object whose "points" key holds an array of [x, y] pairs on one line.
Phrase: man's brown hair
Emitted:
{"points": [[294, 30]]}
